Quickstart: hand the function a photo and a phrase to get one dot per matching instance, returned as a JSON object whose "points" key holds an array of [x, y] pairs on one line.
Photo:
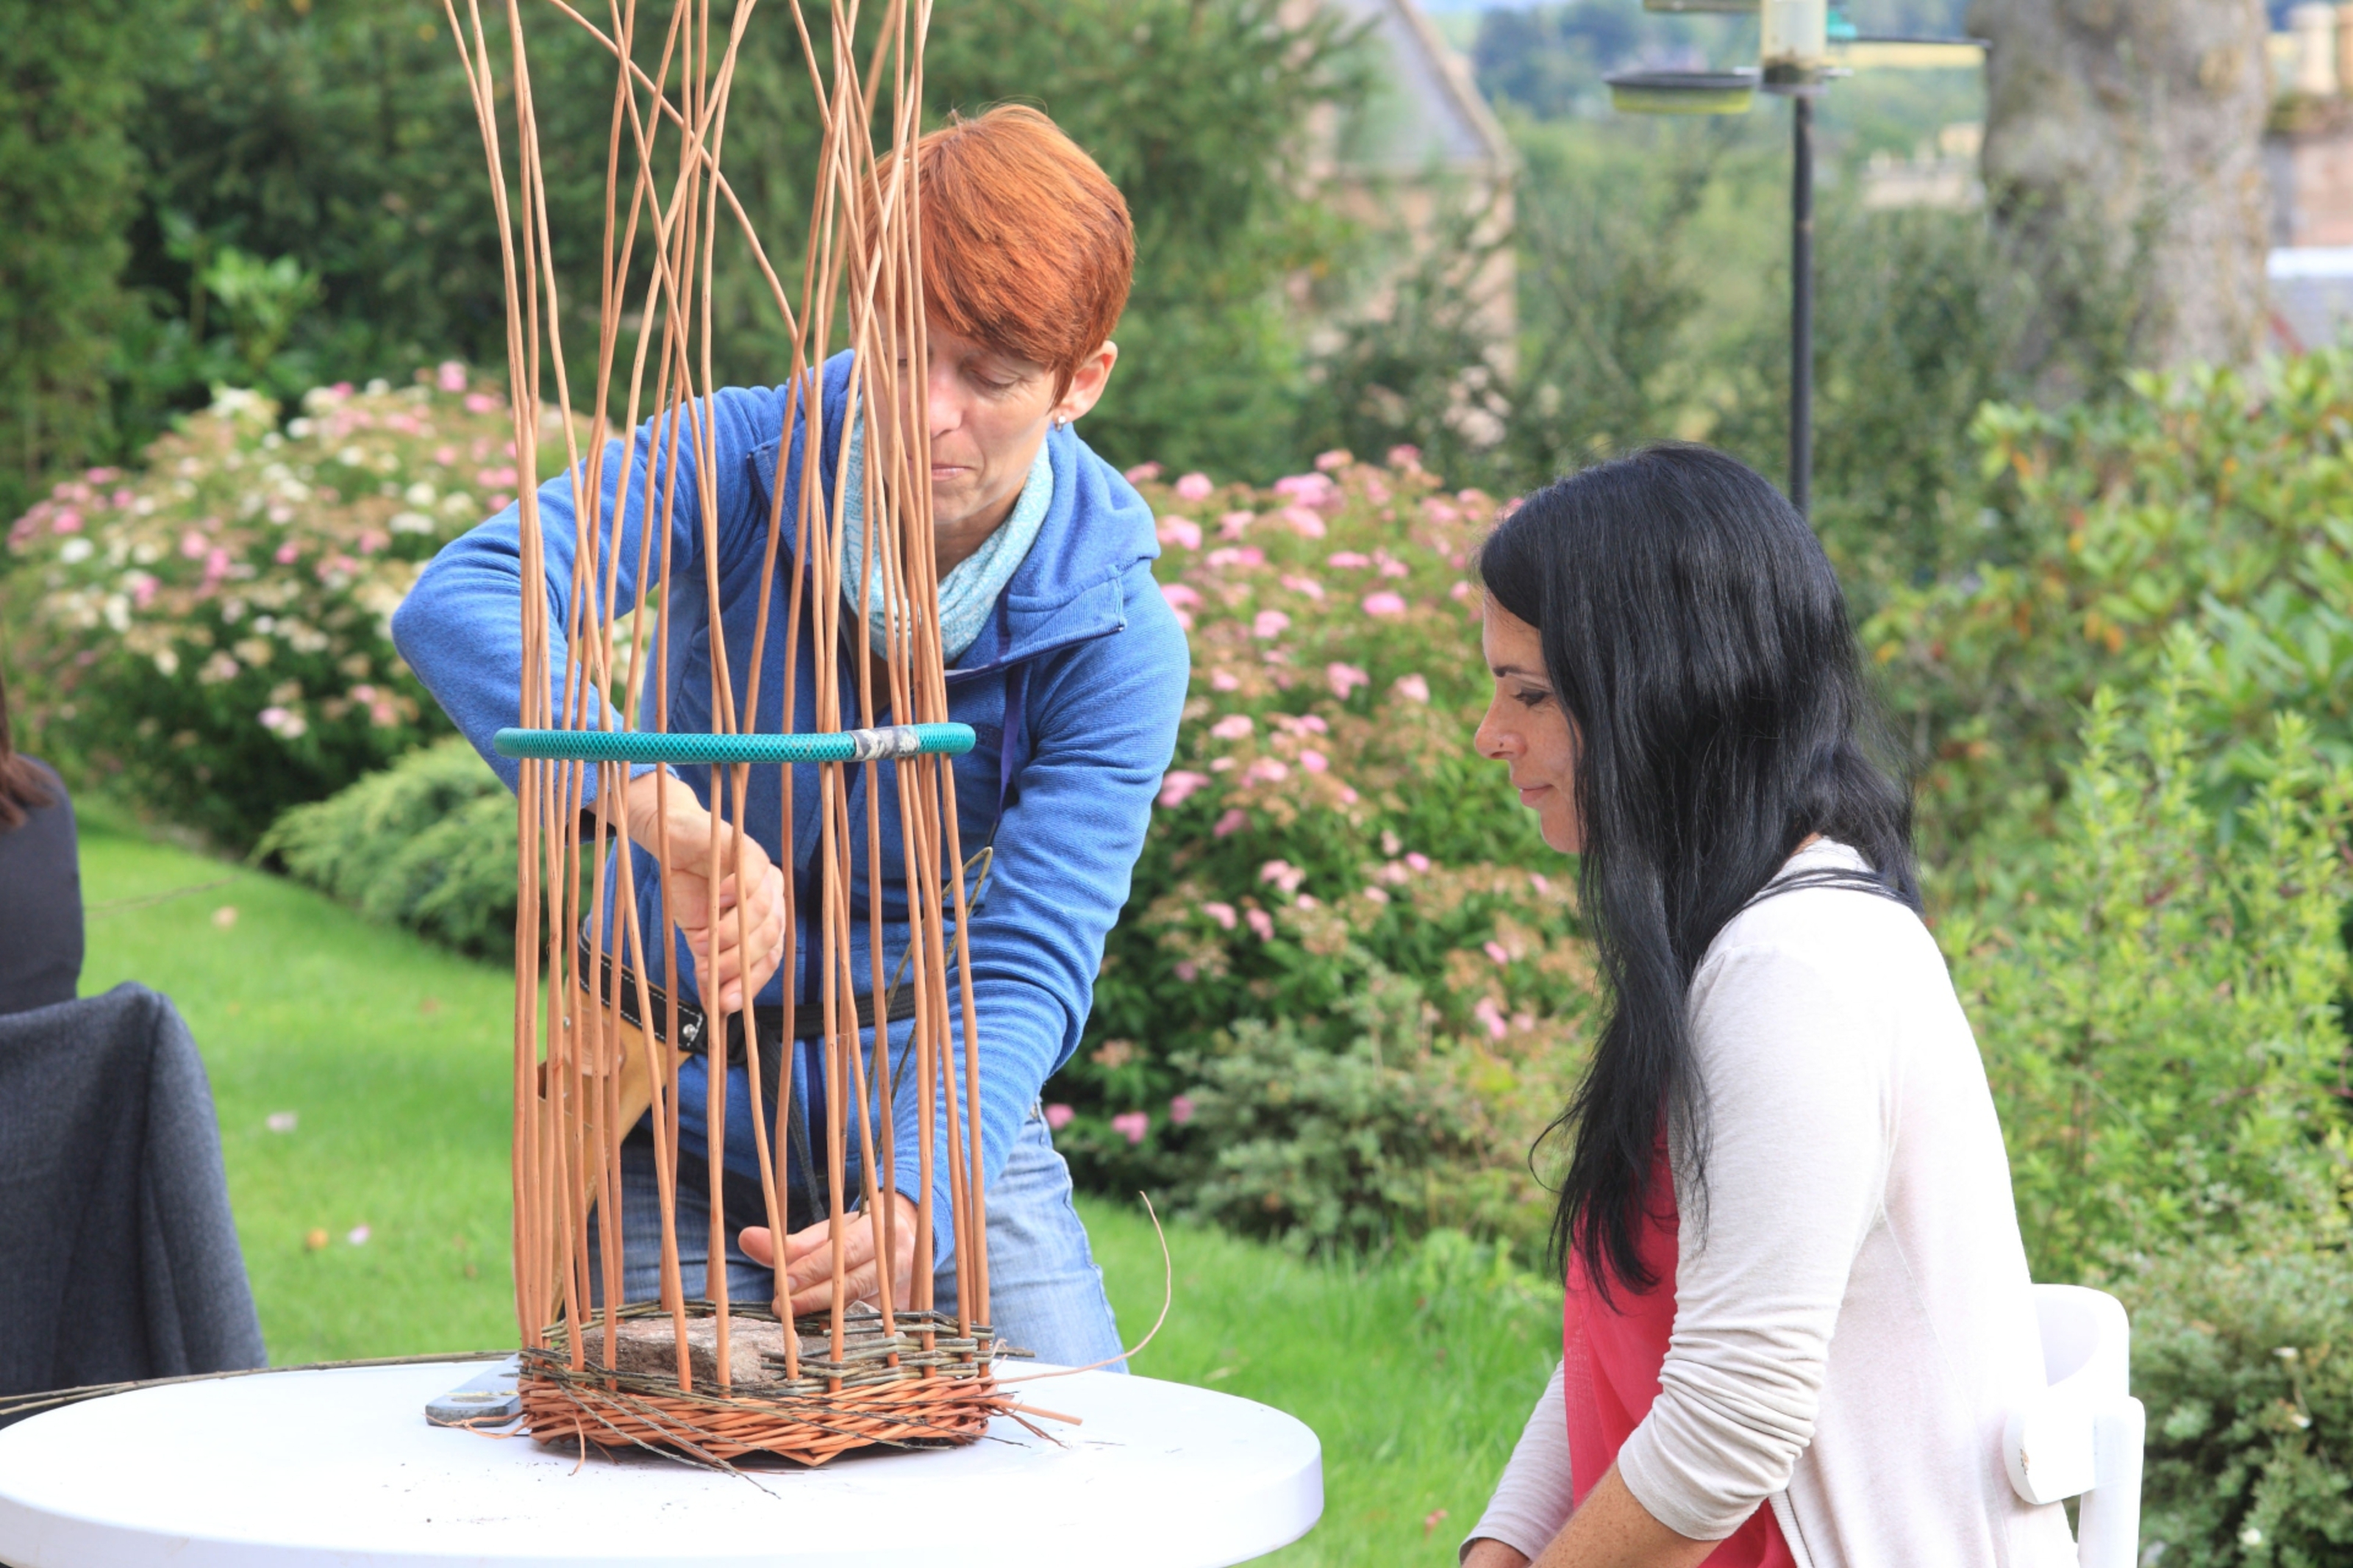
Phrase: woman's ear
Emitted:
{"points": [[1087, 384]]}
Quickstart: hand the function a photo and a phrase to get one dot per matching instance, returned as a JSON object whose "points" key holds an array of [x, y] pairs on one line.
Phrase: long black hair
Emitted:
{"points": [[1695, 635]]}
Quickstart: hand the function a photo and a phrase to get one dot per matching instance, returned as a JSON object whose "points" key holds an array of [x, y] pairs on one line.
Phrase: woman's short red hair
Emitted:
{"points": [[1028, 246]]}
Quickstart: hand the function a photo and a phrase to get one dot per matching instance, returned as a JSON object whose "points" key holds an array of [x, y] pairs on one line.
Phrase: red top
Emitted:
{"points": [[1610, 1360]]}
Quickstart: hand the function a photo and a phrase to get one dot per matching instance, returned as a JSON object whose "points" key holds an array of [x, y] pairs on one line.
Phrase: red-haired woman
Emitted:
{"points": [[40, 918], [1062, 656]]}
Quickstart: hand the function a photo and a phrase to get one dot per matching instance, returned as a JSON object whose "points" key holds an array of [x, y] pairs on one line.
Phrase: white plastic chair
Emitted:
{"points": [[2081, 1437]]}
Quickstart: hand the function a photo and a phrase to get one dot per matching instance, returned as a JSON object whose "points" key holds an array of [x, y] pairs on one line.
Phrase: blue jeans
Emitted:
{"points": [[1044, 1289]]}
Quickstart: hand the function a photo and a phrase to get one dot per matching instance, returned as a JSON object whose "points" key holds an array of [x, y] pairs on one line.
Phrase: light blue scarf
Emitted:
{"points": [[969, 591]]}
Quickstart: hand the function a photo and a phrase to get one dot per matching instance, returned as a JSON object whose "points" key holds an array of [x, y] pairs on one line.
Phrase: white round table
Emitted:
{"points": [[340, 1466]]}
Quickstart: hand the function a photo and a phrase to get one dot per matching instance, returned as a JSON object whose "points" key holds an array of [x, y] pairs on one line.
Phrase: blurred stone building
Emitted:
{"points": [[1421, 164]]}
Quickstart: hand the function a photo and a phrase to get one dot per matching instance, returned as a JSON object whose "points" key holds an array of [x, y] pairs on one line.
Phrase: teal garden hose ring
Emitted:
{"points": [[887, 743]]}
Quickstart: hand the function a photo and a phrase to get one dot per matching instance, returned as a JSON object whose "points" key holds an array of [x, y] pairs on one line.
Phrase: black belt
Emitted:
{"points": [[808, 1019]]}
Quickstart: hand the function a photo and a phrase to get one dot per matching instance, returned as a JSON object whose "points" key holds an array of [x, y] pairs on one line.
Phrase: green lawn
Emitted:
{"points": [[391, 1057]]}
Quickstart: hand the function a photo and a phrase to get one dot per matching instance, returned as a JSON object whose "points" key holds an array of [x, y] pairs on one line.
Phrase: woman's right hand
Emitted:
{"points": [[1489, 1553], [694, 903]]}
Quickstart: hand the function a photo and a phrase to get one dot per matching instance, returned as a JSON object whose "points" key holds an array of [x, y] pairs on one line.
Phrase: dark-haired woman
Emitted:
{"points": [[40, 882], [1798, 1307]]}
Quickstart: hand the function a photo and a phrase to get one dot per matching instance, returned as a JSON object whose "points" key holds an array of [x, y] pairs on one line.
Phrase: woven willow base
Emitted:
{"points": [[889, 1391]]}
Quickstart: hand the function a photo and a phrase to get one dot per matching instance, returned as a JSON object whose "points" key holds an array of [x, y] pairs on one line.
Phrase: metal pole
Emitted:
{"points": [[1802, 303]]}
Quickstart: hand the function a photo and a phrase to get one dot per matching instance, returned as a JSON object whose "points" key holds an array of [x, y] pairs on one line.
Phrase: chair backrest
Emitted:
{"points": [[2082, 1435]]}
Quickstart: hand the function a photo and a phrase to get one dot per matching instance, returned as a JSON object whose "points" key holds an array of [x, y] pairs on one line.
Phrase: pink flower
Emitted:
{"points": [[1337, 457], [1283, 873], [500, 501], [1303, 724], [1232, 727], [1143, 473], [1389, 564], [1266, 770], [67, 521], [1377, 895], [1540, 882], [451, 376], [1059, 1116], [143, 589], [480, 402], [340, 389], [1347, 794], [1235, 555], [1405, 457], [1194, 486], [1262, 924], [1314, 761], [1234, 821], [1487, 1012], [1135, 1124], [1412, 687], [1181, 1108], [1223, 913], [1187, 971], [1234, 523], [287, 555], [1180, 598], [1418, 861], [1269, 624], [1440, 512], [1178, 784], [1347, 558], [1384, 604], [1459, 592], [272, 717], [1344, 679], [446, 456], [1299, 584], [1303, 522], [216, 565], [193, 544], [496, 477], [1496, 951], [1309, 489], [1225, 680], [1180, 531]]}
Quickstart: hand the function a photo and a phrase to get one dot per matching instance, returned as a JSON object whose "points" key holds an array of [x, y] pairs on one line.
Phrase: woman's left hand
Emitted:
{"points": [[807, 1271]]}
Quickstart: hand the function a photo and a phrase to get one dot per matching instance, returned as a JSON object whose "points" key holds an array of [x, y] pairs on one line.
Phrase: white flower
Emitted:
{"points": [[229, 402], [419, 494], [73, 551], [413, 522], [167, 663]]}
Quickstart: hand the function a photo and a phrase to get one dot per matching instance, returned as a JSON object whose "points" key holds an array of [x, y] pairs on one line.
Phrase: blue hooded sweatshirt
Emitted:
{"points": [[1090, 656]]}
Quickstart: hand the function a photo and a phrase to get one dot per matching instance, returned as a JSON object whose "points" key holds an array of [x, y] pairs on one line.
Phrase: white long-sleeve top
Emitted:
{"points": [[1853, 1320]]}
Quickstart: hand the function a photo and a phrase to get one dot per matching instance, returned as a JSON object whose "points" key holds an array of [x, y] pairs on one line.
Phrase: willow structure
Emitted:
{"points": [[596, 1046]]}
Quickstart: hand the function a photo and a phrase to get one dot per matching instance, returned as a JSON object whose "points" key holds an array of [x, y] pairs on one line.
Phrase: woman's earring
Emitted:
{"points": [[1059, 422]]}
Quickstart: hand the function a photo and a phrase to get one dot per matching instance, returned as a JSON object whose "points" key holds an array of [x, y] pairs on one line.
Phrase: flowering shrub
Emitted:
{"points": [[2243, 1355], [1347, 993], [1326, 833], [213, 631]]}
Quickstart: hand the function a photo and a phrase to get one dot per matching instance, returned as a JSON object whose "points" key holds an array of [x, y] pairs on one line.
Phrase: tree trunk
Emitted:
{"points": [[2123, 160]]}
